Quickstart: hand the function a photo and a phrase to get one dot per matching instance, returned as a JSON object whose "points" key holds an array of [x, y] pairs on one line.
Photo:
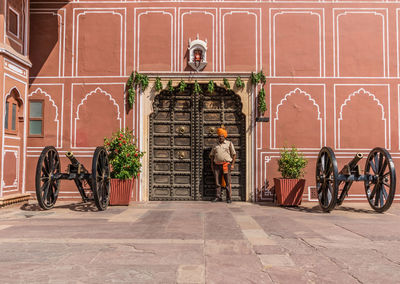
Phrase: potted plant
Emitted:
{"points": [[289, 189], [124, 157]]}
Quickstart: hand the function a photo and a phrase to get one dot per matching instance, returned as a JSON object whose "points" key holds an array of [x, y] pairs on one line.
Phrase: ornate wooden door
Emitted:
{"points": [[223, 108], [182, 131]]}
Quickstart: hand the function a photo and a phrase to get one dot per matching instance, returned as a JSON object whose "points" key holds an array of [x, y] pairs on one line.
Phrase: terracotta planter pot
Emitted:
{"points": [[289, 192], [120, 191]]}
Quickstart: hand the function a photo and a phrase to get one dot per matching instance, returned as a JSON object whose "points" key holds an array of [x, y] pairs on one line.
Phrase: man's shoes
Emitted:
{"points": [[228, 201], [217, 199]]}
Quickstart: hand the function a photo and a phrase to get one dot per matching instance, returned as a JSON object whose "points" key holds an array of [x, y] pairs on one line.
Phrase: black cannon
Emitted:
{"points": [[48, 177], [379, 179]]}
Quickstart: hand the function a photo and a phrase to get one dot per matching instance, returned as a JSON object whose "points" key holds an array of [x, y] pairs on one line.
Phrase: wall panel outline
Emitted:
{"points": [[257, 13], [74, 110], [181, 46], [385, 115], [160, 10], [77, 12], [61, 36], [385, 37], [15, 185], [320, 12], [59, 119], [272, 128]]}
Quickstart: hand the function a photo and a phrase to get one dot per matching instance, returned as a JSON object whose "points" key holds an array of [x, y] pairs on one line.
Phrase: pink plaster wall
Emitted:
{"points": [[332, 67]]}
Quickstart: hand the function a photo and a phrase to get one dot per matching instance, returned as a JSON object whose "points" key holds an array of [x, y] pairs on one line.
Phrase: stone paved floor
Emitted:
{"points": [[199, 242]]}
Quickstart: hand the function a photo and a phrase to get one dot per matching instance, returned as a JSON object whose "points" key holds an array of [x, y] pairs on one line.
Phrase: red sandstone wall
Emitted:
{"points": [[333, 70], [14, 76]]}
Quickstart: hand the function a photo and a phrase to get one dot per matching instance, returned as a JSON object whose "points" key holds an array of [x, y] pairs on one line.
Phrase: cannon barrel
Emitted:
{"points": [[75, 162], [350, 166]]}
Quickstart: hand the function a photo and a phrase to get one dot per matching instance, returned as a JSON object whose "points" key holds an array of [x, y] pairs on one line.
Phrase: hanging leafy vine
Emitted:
{"points": [[196, 88], [262, 105], [170, 88], [257, 78], [239, 83], [130, 88], [135, 80], [182, 86], [158, 85], [226, 84], [211, 87]]}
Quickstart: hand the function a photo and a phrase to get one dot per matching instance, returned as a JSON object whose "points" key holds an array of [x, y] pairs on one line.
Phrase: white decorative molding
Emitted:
{"points": [[60, 13], [339, 117], [298, 91], [15, 182], [385, 37], [197, 10], [258, 35], [39, 91], [163, 11], [98, 90], [78, 12], [321, 34]]}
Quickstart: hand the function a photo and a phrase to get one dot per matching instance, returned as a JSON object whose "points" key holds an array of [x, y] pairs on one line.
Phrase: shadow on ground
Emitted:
{"points": [[78, 207], [317, 208]]}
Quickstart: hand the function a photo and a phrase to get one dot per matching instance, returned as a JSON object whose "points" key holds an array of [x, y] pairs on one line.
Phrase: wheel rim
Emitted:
{"points": [[48, 184], [326, 179], [381, 184], [101, 174]]}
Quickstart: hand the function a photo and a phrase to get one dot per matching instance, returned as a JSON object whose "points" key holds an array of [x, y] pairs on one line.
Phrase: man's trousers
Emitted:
{"points": [[219, 173]]}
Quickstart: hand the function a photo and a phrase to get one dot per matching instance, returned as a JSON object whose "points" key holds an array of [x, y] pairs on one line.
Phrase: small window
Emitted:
{"points": [[36, 118], [10, 115], [14, 117], [6, 116], [13, 22]]}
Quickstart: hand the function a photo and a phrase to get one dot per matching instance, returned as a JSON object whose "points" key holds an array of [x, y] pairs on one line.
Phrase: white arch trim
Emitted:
{"points": [[370, 95], [56, 120], [308, 96], [97, 90]]}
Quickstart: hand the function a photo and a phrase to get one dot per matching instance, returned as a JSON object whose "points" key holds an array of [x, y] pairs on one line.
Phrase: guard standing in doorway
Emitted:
{"points": [[223, 156]]}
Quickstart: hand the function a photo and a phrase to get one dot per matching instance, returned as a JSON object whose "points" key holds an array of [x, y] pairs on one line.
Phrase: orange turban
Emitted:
{"points": [[222, 131]]}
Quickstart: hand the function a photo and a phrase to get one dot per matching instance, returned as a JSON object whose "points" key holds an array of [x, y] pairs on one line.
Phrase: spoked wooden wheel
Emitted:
{"points": [[101, 178], [327, 179], [46, 181], [380, 187]]}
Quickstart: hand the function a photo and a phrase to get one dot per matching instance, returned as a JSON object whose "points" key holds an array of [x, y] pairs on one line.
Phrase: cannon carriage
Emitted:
{"points": [[379, 179], [49, 175]]}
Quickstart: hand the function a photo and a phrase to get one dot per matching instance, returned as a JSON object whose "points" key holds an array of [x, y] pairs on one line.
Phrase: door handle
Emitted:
{"points": [[181, 155], [211, 130]]}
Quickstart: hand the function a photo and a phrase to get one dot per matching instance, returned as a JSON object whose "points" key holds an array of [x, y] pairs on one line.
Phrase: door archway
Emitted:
{"points": [[182, 133]]}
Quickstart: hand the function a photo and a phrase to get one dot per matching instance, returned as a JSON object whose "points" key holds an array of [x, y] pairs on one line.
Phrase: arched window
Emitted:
{"points": [[11, 113]]}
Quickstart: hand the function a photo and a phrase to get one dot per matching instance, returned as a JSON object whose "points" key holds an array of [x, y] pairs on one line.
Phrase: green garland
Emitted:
{"points": [[135, 79], [258, 78], [239, 83], [182, 86], [226, 84], [158, 85], [262, 105], [211, 87], [170, 88], [141, 80], [196, 88], [130, 88]]}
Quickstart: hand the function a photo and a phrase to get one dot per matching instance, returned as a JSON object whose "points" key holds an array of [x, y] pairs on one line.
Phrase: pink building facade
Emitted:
{"points": [[332, 68]]}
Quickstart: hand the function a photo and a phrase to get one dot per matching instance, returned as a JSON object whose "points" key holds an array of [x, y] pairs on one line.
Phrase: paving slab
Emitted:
{"points": [[199, 242]]}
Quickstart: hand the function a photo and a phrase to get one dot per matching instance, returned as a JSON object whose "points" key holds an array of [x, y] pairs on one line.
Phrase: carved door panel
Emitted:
{"points": [[182, 132], [223, 108], [171, 144]]}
